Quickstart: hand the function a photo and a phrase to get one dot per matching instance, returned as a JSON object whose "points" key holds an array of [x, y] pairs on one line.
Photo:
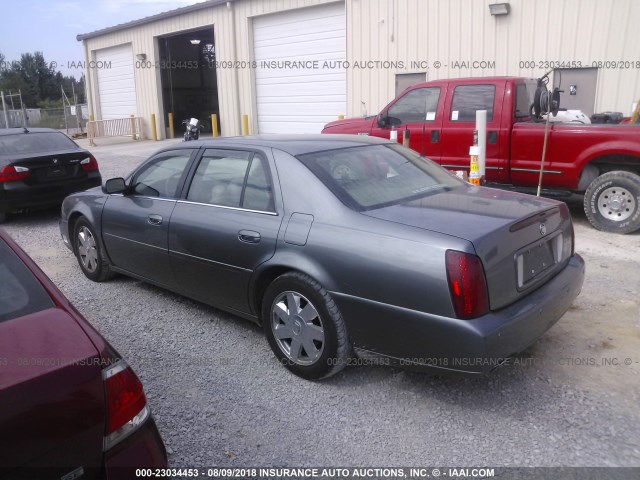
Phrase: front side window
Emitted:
{"points": [[232, 179], [417, 105], [467, 99], [161, 177], [375, 176], [524, 99]]}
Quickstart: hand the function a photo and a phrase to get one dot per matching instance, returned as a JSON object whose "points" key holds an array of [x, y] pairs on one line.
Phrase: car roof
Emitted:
{"points": [[291, 144], [14, 131]]}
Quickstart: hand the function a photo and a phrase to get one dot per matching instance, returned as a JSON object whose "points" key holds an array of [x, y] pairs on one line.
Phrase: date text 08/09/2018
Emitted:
{"points": [[316, 473]]}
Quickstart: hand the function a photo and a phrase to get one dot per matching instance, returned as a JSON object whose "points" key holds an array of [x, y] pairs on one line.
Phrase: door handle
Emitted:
{"points": [[249, 236], [435, 136], [154, 220]]}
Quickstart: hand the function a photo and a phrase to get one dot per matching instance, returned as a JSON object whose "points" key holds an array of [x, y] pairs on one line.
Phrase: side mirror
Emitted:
{"points": [[385, 121], [114, 185]]}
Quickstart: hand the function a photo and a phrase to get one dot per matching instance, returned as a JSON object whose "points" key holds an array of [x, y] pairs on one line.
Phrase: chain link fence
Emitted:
{"points": [[71, 119]]}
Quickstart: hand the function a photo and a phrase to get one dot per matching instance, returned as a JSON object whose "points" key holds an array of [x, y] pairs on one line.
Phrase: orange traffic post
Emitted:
{"points": [[405, 137], [214, 125], [171, 132], [474, 171]]}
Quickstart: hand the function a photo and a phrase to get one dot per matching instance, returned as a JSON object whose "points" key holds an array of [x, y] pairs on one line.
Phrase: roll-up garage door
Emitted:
{"points": [[116, 85], [311, 90]]}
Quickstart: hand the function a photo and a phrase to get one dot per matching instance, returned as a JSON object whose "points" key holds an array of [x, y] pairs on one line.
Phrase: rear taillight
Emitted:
{"points": [[12, 173], [89, 164], [126, 404], [467, 284]]}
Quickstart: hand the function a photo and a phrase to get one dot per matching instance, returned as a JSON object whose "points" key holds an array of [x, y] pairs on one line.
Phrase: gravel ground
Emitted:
{"points": [[221, 399]]}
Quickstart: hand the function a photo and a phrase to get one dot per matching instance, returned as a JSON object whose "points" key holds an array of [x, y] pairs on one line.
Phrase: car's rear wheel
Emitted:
{"points": [[612, 202], [89, 252], [304, 327]]}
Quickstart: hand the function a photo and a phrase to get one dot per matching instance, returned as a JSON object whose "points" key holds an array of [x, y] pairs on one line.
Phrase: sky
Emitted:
{"points": [[51, 26]]}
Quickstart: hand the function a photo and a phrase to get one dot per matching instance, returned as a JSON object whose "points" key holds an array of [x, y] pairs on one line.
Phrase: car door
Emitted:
{"points": [[420, 111], [135, 226], [460, 122], [225, 227]]}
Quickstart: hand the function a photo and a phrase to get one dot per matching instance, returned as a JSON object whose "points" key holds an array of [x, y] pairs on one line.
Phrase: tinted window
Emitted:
{"points": [[379, 175], [258, 194], [219, 178], [161, 177], [416, 106], [20, 292], [467, 99], [35, 143], [524, 99]]}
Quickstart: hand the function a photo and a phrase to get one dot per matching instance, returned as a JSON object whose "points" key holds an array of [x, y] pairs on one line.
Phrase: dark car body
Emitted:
{"points": [[54, 398], [41, 166], [383, 265]]}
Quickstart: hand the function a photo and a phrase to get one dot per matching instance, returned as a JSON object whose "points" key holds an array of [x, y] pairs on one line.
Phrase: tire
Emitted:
{"points": [[317, 327], [89, 252], [612, 202]]}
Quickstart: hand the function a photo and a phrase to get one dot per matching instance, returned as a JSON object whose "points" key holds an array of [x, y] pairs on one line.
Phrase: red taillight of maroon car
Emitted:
{"points": [[126, 403], [89, 164], [11, 173], [467, 284]]}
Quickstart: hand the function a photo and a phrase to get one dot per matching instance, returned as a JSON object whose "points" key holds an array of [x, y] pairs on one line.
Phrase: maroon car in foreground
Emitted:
{"points": [[70, 406]]}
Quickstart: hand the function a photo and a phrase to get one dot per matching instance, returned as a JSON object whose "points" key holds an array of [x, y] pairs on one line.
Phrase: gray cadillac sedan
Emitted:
{"points": [[339, 246]]}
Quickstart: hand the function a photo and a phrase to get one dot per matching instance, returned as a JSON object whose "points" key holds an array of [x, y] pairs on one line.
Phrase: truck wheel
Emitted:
{"points": [[612, 202]]}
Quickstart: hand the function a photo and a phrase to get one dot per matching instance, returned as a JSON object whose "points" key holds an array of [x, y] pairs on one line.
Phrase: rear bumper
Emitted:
{"points": [[18, 195], [144, 449], [416, 339]]}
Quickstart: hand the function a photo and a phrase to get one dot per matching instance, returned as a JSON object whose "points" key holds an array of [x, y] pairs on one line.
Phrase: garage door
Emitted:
{"points": [[116, 86], [300, 97]]}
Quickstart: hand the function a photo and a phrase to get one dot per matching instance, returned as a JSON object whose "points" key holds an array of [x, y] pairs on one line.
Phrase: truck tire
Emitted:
{"points": [[612, 202]]}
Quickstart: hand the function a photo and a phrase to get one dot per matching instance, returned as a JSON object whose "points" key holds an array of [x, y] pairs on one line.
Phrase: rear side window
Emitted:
{"points": [[20, 292], [524, 99], [35, 143], [232, 179], [467, 99]]}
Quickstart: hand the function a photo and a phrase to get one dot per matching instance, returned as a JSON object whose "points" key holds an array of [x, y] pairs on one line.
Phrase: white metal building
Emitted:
{"points": [[293, 65]]}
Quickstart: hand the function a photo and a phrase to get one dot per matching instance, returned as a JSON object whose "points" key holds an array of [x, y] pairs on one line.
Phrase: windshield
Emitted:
{"points": [[35, 143], [375, 176]]}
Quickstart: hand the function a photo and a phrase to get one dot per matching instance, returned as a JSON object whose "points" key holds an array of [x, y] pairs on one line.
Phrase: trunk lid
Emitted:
{"points": [[51, 167], [521, 240]]}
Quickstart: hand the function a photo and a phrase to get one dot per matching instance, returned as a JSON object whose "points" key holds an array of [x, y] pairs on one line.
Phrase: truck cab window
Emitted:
{"points": [[417, 105], [467, 99]]}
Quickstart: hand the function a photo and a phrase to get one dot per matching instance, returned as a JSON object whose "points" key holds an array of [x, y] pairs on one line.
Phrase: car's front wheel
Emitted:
{"points": [[612, 202], [89, 253], [304, 327]]}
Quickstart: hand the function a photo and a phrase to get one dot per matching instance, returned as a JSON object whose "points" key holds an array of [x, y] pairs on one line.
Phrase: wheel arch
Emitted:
{"points": [[267, 273], [599, 163]]}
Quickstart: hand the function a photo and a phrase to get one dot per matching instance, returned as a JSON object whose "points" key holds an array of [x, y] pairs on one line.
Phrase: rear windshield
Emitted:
{"points": [[34, 143], [370, 177], [20, 292], [524, 98]]}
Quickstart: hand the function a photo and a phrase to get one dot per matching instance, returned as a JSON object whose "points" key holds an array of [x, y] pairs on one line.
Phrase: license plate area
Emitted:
{"points": [[56, 172], [537, 259]]}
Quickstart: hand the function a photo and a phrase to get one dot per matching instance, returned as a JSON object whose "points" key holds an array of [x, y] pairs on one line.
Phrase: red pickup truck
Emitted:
{"points": [[602, 162]]}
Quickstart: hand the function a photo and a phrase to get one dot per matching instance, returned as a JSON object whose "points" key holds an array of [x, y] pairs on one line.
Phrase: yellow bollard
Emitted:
{"points": [[405, 137], [214, 125], [91, 118], [341, 117], [171, 132], [474, 170], [154, 134], [245, 125], [133, 128]]}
